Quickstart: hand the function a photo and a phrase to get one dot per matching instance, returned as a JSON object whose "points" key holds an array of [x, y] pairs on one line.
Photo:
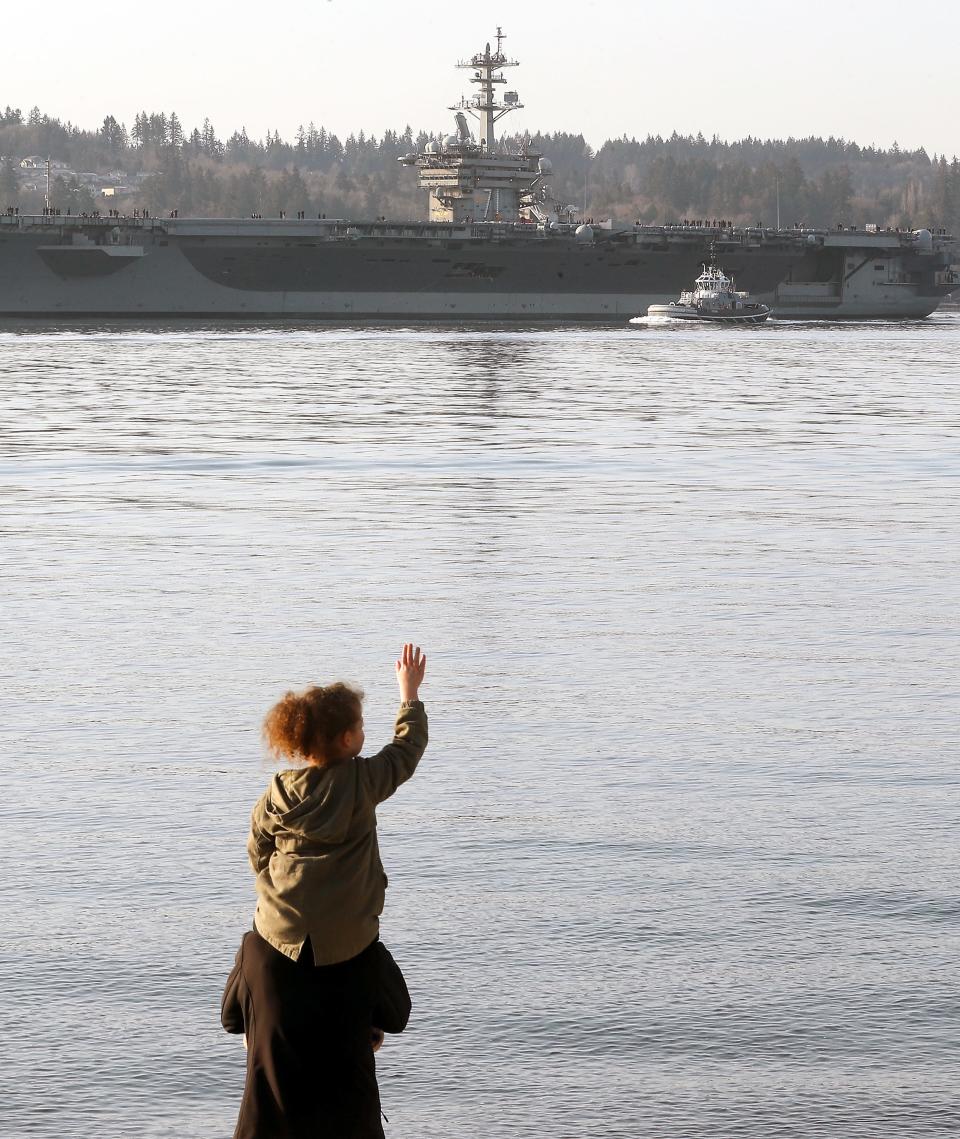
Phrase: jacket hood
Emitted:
{"points": [[314, 803]]}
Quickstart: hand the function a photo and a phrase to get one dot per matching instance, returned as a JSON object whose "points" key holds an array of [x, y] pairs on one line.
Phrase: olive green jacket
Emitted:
{"points": [[313, 847]]}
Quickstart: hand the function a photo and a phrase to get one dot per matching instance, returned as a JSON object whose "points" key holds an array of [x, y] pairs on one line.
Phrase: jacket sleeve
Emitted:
{"points": [[260, 844], [231, 1005], [383, 773]]}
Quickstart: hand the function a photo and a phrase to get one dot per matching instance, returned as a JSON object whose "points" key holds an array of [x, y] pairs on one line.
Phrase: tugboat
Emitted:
{"points": [[714, 298]]}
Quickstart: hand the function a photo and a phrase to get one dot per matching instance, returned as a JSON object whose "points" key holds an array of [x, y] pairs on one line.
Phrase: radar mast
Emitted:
{"points": [[488, 68]]}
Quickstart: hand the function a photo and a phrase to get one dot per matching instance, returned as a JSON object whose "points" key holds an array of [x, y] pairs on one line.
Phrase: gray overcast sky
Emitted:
{"points": [[874, 71]]}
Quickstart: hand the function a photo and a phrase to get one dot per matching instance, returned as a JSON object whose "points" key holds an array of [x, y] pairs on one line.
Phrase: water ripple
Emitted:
{"points": [[681, 859]]}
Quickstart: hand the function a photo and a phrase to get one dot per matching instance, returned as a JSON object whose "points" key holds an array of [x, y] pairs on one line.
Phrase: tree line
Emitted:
{"points": [[809, 181]]}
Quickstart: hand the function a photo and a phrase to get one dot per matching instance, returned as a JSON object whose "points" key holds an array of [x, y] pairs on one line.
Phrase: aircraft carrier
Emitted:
{"points": [[496, 245]]}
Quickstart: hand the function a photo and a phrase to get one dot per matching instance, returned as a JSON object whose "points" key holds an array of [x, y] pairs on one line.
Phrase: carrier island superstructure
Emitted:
{"points": [[496, 245]]}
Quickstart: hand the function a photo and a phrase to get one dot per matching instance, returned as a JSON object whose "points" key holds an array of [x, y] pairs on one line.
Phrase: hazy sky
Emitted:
{"points": [[874, 71]]}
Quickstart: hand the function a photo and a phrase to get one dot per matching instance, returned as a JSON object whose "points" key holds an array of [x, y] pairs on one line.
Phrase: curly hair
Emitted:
{"points": [[302, 725]]}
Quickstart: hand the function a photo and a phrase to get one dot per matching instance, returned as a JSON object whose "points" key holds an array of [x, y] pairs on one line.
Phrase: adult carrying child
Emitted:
{"points": [[312, 979]]}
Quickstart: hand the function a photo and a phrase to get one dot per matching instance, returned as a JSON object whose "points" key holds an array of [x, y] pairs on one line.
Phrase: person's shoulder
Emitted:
{"points": [[359, 769], [351, 770], [296, 783]]}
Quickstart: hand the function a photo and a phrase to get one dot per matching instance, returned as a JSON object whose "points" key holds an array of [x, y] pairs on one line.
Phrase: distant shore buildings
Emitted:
{"points": [[31, 176]]}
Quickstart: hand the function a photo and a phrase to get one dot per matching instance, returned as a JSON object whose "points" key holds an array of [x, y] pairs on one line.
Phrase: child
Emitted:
{"points": [[313, 833]]}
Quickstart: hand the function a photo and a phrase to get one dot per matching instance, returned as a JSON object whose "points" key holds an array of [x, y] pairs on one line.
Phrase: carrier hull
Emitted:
{"points": [[56, 267]]}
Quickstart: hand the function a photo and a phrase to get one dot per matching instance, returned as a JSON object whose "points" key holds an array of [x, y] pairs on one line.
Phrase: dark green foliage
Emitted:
{"points": [[818, 182], [68, 196], [8, 182], [815, 181]]}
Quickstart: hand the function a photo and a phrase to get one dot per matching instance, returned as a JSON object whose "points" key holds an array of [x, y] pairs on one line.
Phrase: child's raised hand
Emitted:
{"points": [[410, 669]]}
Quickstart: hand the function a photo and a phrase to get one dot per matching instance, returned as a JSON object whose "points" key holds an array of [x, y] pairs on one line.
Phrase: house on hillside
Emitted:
{"points": [[38, 162]]}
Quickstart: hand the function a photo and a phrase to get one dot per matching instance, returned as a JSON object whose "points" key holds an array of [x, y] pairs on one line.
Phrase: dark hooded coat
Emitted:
{"points": [[310, 1062]]}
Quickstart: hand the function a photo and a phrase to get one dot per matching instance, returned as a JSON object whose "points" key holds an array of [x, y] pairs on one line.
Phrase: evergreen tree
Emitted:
{"points": [[941, 194], [114, 136], [158, 129], [9, 185], [212, 146], [238, 146], [174, 131]]}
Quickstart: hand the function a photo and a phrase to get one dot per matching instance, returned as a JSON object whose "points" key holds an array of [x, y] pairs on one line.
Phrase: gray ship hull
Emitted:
{"points": [[158, 268]]}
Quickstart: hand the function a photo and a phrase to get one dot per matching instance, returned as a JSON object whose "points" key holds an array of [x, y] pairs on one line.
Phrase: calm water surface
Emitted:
{"points": [[681, 859]]}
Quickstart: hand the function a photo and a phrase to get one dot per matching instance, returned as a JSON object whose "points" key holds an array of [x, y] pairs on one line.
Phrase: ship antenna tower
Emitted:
{"points": [[487, 67]]}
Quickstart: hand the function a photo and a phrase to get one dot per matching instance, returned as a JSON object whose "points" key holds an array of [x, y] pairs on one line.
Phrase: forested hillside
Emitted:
{"points": [[159, 166]]}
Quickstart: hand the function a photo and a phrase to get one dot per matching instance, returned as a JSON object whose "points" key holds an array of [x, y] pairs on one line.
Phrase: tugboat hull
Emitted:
{"points": [[756, 315]]}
